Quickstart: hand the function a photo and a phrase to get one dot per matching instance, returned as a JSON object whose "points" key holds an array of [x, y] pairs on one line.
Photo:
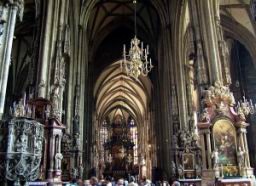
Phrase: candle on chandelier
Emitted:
{"points": [[124, 52]]}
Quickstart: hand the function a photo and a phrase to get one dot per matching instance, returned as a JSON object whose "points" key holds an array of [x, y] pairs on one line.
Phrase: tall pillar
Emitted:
{"points": [[203, 149], [247, 160], [167, 86], [10, 10], [209, 149], [205, 17]]}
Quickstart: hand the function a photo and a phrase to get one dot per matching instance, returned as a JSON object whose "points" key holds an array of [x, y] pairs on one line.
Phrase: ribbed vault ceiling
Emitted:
{"points": [[107, 12], [117, 94]]}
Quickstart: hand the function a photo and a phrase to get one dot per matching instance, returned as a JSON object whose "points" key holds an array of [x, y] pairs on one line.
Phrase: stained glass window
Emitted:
{"points": [[134, 138]]}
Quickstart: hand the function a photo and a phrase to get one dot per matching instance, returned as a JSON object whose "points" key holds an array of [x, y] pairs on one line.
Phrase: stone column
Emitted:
{"points": [[247, 160], [209, 152], [204, 13], [203, 150], [240, 138], [9, 15], [51, 153]]}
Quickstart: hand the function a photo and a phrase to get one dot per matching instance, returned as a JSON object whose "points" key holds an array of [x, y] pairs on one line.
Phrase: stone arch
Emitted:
{"points": [[236, 31]]}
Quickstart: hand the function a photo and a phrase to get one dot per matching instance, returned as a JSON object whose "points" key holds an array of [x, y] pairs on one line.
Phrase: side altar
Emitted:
{"points": [[222, 130]]}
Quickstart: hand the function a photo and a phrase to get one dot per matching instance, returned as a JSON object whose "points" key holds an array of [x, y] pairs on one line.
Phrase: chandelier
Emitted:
{"points": [[136, 62], [246, 107]]}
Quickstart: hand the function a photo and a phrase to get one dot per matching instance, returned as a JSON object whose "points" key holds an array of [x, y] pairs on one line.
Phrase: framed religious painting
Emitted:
{"points": [[188, 162], [224, 135]]}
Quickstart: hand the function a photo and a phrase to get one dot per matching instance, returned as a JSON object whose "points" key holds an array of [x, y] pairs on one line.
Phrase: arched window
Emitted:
{"points": [[134, 139], [103, 138]]}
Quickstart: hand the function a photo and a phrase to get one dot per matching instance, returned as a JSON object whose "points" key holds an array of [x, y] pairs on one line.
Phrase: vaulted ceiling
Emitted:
{"points": [[107, 15], [116, 93]]}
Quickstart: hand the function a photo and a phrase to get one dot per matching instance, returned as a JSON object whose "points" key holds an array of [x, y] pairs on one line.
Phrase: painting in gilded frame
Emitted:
{"points": [[224, 134], [188, 161]]}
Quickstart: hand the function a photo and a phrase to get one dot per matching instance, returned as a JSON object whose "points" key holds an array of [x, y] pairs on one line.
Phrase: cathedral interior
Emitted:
{"points": [[162, 89]]}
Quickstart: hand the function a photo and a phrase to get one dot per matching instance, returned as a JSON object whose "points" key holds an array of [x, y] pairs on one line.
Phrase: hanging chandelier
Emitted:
{"points": [[136, 62]]}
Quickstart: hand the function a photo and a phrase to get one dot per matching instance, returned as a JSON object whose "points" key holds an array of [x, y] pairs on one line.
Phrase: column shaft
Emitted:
{"points": [[6, 48], [209, 150]]}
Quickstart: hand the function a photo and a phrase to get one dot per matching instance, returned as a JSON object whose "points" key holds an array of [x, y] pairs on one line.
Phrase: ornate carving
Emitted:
{"points": [[24, 151], [204, 116], [218, 95], [20, 5], [22, 109], [59, 79], [55, 99], [67, 40], [2, 21], [187, 153], [41, 84], [66, 143], [224, 51], [202, 76], [77, 144]]}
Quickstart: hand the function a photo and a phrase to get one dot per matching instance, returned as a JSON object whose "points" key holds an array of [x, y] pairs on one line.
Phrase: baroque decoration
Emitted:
{"points": [[187, 154], [223, 124]]}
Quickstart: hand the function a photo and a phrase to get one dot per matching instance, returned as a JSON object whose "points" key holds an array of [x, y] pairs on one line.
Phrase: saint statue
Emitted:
{"points": [[215, 157], [19, 109], [58, 158], [180, 171], [76, 124], [173, 167], [241, 158]]}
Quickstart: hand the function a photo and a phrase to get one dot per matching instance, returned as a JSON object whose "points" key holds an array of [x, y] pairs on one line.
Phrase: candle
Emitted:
{"points": [[24, 99]]}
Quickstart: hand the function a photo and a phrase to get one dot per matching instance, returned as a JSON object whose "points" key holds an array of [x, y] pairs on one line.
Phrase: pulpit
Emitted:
{"points": [[22, 139]]}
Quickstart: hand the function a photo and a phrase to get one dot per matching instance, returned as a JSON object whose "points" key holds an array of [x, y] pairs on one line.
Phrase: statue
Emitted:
{"points": [[77, 142], [81, 171], [198, 170], [180, 171], [175, 141], [58, 158], [76, 124], [241, 158], [183, 138], [173, 167], [215, 157], [19, 109], [74, 173]]}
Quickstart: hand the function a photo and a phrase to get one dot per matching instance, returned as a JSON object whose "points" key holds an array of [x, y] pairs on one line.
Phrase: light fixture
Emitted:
{"points": [[246, 107], [136, 62]]}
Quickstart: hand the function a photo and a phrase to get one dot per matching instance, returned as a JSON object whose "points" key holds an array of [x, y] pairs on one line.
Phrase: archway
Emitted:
{"points": [[121, 122]]}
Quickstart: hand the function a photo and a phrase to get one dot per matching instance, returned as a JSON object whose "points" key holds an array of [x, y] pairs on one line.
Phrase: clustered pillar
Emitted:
{"points": [[9, 11]]}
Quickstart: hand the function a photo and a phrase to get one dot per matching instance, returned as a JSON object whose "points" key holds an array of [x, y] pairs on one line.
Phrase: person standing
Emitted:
{"points": [[132, 182]]}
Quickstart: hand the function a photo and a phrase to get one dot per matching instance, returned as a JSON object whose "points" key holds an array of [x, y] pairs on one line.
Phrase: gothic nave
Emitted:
{"points": [[156, 89]]}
